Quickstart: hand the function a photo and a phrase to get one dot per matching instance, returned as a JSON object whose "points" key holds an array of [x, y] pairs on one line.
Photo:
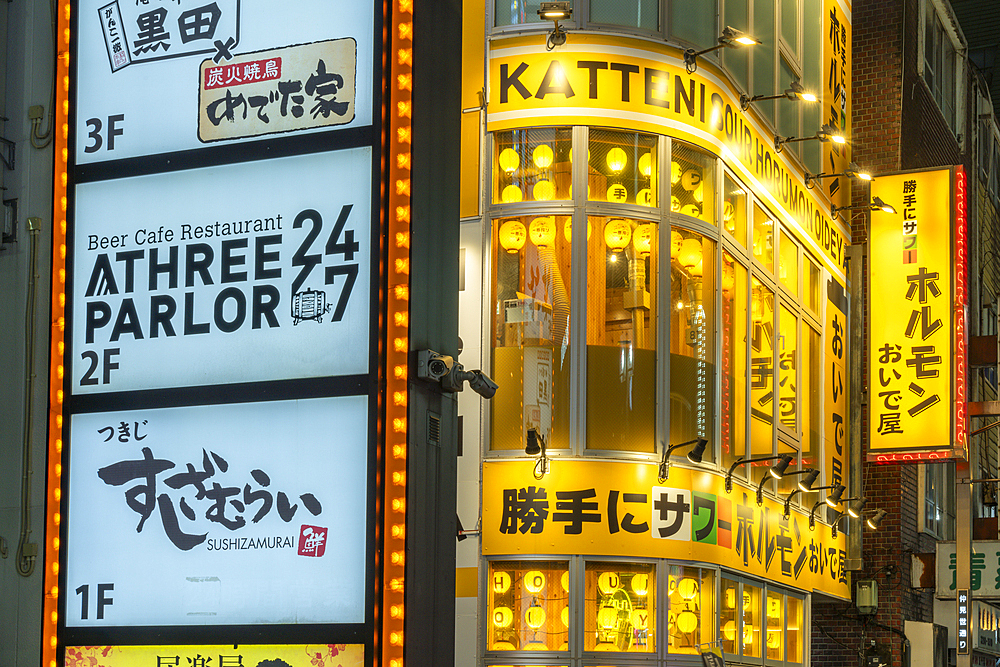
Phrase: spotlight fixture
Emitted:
{"points": [[788, 499], [876, 204], [826, 133], [852, 171], [856, 508], [875, 520], [731, 37], [535, 446], [794, 92], [857, 511], [764, 479], [732, 468], [805, 484], [556, 12], [834, 498], [694, 456]]}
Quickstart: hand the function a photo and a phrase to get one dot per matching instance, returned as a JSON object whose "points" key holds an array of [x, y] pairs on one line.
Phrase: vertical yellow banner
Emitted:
{"points": [[911, 348], [836, 97], [835, 434]]}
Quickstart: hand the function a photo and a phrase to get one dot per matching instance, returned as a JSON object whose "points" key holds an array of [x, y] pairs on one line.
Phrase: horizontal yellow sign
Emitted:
{"points": [[225, 655], [912, 335], [622, 83], [620, 509]]}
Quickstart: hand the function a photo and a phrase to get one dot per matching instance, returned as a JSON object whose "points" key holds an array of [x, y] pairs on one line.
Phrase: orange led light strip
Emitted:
{"points": [[396, 221], [50, 575]]}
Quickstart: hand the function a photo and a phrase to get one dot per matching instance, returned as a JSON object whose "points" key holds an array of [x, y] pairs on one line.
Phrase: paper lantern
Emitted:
{"points": [[564, 616], [501, 582], [642, 241], [675, 173], [617, 193], [542, 156], [640, 619], [534, 617], [534, 581], [544, 191], [773, 638], [503, 617], [687, 622], [699, 192], [616, 159], [747, 601], [691, 209], [675, 204], [747, 634], [568, 233], [608, 582], [729, 216], [508, 160], [687, 588], [564, 579], [503, 646], [773, 607], [690, 253], [607, 617], [644, 197], [511, 195], [690, 179], [675, 243], [617, 234], [512, 236], [543, 232], [729, 630], [730, 598], [640, 582], [646, 165]]}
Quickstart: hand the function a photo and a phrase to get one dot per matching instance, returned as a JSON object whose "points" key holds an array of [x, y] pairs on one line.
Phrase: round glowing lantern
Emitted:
{"points": [[535, 646], [675, 243], [564, 579], [729, 630], [640, 582], [564, 616], [543, 232], [617, 234], [699, 192], [617, 193], [511, 195], [607, 617], [564, 646], [534, 617], [501, 582], [568, 233], [690, 254], [691, 209], [534, 581], [690, 179], [640, 619], [608, 582], [544, 191], [642, 240], [747, 601], [687, 588], [730, 598], [503, 617], [508, 160], [773, 638], [773, 607], [616, 159], [687, 622], [748, 634], [646, 165], [512, 237], [644, 197], [542, 156], [503, 646], [675, 173], [675, 204]]}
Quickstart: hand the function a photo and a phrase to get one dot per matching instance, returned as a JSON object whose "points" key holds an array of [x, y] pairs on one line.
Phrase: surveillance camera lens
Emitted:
{"points": [[437, 367]]}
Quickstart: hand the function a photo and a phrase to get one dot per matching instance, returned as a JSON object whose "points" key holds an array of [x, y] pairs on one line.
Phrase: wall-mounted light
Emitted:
{"points": [[856, 511], [731, 37], [535, 446], [857, 507], [802, 489], [826, 133], [694, 456], [556, 12], [782, 475], [794, 92], [782, 465], [833, 499], [876, 204], [852, 171], [875, 520]]}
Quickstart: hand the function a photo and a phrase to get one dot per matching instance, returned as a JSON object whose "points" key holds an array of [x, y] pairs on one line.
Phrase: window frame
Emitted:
{"points": [[948, 36]]}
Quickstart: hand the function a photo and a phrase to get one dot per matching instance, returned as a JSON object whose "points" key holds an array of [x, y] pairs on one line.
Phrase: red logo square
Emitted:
{"points": [[312, 541]]}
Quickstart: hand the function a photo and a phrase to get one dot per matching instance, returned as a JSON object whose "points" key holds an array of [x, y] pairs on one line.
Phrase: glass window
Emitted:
{"points": [[531, 165], [530, 335], [692, 181], [622, 264], [788, 363], [761, 369], [729, 621], [734, 210], [788, 112], [763, 237], [751, 635], [737, 61], [691, 608], [775, 626], [528, 604], [643, 14], [764, 57], [810, 396], [622, 167], [811, 284], [790, 24], [794, 636], [620, 607], [788, 264], [734, 361], [692, 337], [514, 12], [939, 499], [939, 64], [694, 22]]}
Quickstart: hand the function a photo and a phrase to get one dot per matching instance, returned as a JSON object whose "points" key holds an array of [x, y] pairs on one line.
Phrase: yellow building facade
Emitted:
{"points": [[653, 270]]}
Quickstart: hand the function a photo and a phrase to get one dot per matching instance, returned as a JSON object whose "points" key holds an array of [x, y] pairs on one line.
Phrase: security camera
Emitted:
{"points": [[433, 366], [482, 384]]}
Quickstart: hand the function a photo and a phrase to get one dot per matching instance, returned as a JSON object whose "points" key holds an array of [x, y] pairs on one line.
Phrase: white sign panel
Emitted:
{"points": [[233, 514], [239, 273], [984, 572], [253, 67]]}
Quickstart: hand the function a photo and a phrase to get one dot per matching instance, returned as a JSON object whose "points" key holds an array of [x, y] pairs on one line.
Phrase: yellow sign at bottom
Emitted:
{"points": [[223, 655]]}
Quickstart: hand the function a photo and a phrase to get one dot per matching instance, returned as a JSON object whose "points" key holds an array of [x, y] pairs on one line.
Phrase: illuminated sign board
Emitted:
{"points": [[186, 75], [620, 509], [198, 279], [233, 514], [916, 315], [226, 655]]}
